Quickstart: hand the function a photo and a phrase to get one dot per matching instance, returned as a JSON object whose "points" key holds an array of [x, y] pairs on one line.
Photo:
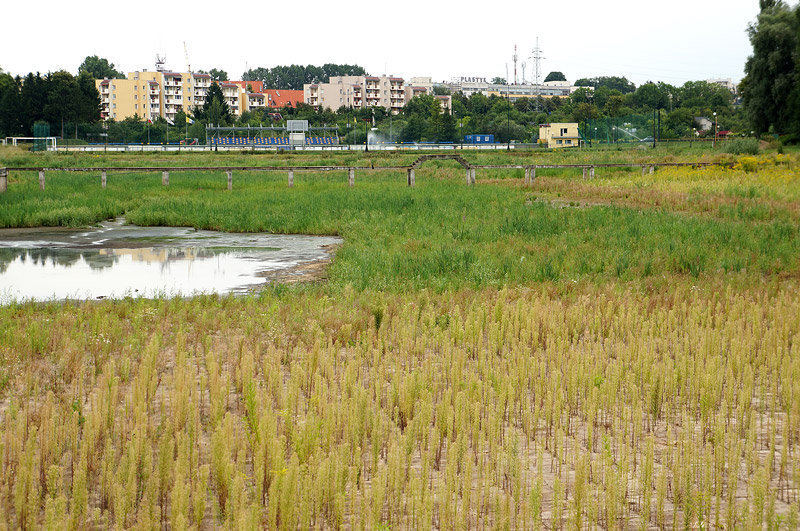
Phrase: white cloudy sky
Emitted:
{"points": [[644, 40]]}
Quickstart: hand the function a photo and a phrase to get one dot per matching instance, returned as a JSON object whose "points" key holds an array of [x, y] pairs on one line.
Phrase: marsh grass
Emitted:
{"points": [[478, 359], [557, 406], [439, 234]]}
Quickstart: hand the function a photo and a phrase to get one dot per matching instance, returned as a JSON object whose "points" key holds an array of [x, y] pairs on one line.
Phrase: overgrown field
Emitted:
{"points": [[622, 352]]}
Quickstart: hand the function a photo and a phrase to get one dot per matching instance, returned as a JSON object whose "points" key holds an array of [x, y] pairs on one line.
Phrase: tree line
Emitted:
{"points": [[293, 77], [771, 86], [57, 98]]}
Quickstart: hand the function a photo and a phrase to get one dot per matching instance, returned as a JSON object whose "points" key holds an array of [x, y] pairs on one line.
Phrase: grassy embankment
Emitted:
{"points": [[479, 358]]}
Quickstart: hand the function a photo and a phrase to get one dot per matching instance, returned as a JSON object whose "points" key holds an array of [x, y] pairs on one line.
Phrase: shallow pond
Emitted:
{"points": [[116, 260]]}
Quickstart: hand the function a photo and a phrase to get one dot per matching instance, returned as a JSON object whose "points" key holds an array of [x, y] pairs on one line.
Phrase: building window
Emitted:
{"points": [[558, 142], [569, 142], [563, 132]]}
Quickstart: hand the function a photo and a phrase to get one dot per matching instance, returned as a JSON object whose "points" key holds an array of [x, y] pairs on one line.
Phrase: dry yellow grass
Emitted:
{"points": [[561, 406]]}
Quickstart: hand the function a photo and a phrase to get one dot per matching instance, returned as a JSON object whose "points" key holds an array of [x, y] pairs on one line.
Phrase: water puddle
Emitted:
{"points": [[116, 260]]}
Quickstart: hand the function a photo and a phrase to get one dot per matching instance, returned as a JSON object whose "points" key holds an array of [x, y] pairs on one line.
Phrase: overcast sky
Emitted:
{"points": [[643, 40]]}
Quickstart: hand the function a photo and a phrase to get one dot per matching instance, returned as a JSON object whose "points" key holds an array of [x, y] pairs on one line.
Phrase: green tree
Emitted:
{"points": [[413, 130], [614, 105], [555, 76], [447, 126], [99, 68], [215, 110], [88, 105], [63, 99], [584, 112], [679, 122], [498, 81], [293, 77], [653, 96], [217, 74], [769, 87], [10, 120], [611, 82]]}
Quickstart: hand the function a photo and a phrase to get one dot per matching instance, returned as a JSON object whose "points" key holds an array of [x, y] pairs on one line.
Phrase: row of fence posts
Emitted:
{"points": [[530, 176]]}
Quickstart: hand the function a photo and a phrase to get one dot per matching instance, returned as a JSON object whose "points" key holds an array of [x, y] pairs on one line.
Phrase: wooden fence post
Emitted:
{"points": [[165, 178], [41, 179], [472, 176], [584, 172], [3, 180], [652, 169], [229, 173], [351, 177], [411, 177], [469, 180], [644, 170], [591, 172], [103, 179], [291, 178], [527, 176], [533, 175]]}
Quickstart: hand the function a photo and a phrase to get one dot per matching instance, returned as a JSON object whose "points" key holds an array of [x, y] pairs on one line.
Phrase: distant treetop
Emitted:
{"points": [[293, 77], [99, 68], [610, 82], [555, 76]]}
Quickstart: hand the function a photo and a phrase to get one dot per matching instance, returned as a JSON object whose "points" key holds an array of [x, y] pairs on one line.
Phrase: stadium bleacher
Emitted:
{"points": [[272, 141]]}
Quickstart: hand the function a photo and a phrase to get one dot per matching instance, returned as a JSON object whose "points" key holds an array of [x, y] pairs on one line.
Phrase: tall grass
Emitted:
{"points": [[580, 406], [440, 233]]}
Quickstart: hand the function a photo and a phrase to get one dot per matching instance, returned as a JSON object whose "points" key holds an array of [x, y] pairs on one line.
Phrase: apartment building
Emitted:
{"points": [[357, 92], [150, 95]]}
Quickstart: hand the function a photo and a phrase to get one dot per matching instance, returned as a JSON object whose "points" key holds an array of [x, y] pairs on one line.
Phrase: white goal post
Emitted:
{"points": [[50, 141]]}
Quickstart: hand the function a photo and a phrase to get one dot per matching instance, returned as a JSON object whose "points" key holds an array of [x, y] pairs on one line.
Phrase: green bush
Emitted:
{"points": [[741, 146]]}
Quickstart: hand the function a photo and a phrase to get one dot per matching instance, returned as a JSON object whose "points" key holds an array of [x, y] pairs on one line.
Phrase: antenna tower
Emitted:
{"points": [[537, 70], [523, 65], [160, 60], [515, 56]]}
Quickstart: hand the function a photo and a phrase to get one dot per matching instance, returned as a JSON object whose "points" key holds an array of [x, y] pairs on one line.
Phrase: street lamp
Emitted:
{"points": [[595, 135], [714, 142], [614, 134]]}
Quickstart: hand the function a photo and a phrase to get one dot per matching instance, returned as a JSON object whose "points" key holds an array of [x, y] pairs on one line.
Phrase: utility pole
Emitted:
{"points": [[508, 112], [537, 70]]}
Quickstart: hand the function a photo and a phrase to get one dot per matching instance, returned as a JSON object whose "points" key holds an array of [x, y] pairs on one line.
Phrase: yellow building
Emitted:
{"points": [[559, 135], [150, 95]]}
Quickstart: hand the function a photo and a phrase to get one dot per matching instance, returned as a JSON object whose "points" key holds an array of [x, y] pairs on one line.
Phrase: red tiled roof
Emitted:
{"points": [[282, 98], [258, 86]]}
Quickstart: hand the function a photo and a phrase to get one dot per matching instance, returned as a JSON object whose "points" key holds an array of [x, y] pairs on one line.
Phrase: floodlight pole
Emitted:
{"points": [[366, 139], [654, 128]]}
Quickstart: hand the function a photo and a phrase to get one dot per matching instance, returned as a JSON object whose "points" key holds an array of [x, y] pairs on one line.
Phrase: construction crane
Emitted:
{"points": [[186, 55]]}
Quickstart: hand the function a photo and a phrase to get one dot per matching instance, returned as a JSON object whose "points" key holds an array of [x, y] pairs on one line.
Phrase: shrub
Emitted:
{"points": [[741, 146]]}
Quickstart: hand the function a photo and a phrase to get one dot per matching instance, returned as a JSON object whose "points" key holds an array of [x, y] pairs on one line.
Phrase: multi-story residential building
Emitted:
{"points": [[252, 101], [551, 89], [233, 96], [727, 83], [150, 95], [358, 92]]}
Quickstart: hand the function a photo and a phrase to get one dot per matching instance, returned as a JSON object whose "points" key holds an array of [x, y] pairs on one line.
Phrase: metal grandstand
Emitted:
{"points": [[272, 136]]}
